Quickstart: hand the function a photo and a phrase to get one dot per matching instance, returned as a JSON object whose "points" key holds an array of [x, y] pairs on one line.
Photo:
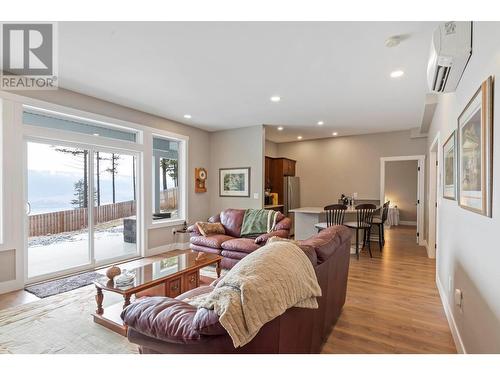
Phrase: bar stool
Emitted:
{"points": [[380, 221], [364, 217], [334, 216]]}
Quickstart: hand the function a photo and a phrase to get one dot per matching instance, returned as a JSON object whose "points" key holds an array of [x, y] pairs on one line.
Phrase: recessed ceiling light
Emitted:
{"points": [[96, 134], [335, 134], [320, 123], [280, 128], [187, 116], [275, 99], [299, 137], [397, 73]]}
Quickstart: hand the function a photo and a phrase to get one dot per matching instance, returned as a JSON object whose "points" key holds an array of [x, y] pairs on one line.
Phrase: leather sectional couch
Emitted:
{"points": [[230, 245], [171, 325]]}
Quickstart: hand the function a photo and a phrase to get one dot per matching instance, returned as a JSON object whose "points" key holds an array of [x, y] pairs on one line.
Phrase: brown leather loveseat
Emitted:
{"points": [[230, 245], [171, 325]]}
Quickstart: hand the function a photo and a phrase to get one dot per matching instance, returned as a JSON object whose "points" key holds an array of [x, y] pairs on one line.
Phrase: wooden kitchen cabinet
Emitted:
{"points": [[288, 167], [276, 169], [267, 169]]}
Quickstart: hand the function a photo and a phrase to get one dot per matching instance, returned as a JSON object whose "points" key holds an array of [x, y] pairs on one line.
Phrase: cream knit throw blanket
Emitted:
{"points": [[262, 286]]}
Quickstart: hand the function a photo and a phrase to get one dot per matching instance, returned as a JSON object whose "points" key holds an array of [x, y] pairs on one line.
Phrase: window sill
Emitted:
{"points": [[166, 223]]}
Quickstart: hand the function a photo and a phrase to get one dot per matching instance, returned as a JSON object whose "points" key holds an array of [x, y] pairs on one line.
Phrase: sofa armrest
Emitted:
{"points": [[193, 230], [164, 318], [284, 224], [206, 322], [262, 239]]}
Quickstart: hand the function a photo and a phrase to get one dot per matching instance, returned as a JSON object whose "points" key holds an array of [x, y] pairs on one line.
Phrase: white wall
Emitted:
{"points": [[234, 148], [468, 251], [332, 166], [271, 149], [243, 147], [198, 156]]}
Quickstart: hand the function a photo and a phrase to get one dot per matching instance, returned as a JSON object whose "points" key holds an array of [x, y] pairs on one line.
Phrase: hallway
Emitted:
{"points": [[393, 305]]}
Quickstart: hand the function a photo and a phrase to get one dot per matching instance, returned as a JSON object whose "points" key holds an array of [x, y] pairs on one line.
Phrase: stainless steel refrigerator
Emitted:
{"points": [[291, 197]]}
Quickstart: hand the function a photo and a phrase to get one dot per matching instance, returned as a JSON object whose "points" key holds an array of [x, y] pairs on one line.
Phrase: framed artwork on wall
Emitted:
{"points": [[450, 167], [475, 151], [234, 182]]}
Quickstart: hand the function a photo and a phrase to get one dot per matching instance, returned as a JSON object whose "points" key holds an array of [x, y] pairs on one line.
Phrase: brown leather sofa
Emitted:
{"points": [[231, 246], [170, 325]]}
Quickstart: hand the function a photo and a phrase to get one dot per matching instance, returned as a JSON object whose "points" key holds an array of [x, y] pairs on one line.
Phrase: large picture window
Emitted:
{"points": [[167, 194]]}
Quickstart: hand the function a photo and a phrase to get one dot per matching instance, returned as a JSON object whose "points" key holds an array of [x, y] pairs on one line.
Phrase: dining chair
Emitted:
{"points": [[380, 221], [364, 218], [335, 214]]}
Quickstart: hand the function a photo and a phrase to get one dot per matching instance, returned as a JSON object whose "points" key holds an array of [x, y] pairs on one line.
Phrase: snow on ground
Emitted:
{"points": [[61, 251]]}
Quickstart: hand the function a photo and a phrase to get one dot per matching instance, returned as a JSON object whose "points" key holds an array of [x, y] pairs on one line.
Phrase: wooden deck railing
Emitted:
{"points": [[77, 219]]}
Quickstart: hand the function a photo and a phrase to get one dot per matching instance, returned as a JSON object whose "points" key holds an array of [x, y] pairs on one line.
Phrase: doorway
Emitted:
{"points": [[433, 197], [81, 207], [417, 171]]}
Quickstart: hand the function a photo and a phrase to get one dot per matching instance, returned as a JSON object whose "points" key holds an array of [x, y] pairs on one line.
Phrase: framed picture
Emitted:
{"points": [[450, 167], [475, 140], [234, 182]]}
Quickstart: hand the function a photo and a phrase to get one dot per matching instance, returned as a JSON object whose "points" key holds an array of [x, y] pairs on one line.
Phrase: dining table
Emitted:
{"points": [[305, 219]]}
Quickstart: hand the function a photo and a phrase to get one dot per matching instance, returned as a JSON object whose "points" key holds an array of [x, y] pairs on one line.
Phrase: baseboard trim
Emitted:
{"points": [[431, 253], [459, 344], [422, 242], [10, 286], [166, 248], [405, 222]]}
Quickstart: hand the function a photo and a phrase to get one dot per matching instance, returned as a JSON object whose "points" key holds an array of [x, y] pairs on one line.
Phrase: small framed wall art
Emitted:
{"points": [[475, 151], [234, 182]]}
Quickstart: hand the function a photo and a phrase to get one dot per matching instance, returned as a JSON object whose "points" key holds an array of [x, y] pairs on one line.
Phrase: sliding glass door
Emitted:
{"points": [[115, 229], [57, 188], [78, 219]]}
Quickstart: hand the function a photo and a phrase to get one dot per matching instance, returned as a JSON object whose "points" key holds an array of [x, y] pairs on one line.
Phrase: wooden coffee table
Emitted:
{"points": [[168, 277]]}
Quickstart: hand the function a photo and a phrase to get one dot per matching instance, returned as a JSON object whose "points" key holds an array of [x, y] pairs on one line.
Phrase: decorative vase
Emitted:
{"points": [[112, 272]]}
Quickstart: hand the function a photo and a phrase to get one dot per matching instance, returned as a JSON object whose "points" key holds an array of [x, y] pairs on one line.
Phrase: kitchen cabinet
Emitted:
{"points": [[276, 169]]}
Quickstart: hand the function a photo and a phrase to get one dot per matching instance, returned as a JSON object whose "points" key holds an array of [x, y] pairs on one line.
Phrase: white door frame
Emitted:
{"points": [[420, 188], [434, 194], [93, 264]]}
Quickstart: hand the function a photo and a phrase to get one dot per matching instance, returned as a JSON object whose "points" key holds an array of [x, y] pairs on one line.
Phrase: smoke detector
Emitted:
{"points": [[392, 41]]}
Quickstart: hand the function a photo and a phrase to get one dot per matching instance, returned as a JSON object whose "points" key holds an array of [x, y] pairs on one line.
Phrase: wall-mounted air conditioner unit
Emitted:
{"points": [[451, 49]]}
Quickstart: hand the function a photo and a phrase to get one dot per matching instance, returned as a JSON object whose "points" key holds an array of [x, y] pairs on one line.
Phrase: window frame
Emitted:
{"points": [[2, 127], [182, 180]]}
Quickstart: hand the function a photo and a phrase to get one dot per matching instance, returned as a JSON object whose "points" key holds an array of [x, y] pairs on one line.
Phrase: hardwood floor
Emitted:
{"points": [[20, 297], [392, 305]]}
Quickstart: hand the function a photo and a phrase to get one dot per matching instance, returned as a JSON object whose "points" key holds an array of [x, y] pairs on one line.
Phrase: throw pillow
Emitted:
{"points": [[210, 228]]}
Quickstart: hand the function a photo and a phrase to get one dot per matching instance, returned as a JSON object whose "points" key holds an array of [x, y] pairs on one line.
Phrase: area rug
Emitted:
{"points": [[60, 324], [51, 288], [209, 272], [63, 324]]}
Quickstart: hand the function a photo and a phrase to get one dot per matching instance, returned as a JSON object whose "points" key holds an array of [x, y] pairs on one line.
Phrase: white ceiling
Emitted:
{"points": [[223, 74]]}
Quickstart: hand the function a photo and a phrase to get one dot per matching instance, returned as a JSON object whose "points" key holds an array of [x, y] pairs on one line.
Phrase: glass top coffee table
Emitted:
{"points": [[170, 277]]}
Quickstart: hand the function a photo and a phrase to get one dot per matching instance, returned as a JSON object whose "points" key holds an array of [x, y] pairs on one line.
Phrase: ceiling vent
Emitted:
{"points": [[451, 49]]}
